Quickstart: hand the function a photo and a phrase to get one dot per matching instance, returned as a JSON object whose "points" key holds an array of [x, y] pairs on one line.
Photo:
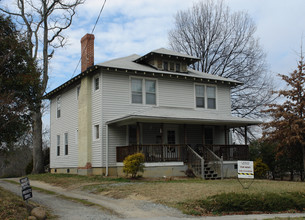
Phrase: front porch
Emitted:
{"points": [[198, 141]]}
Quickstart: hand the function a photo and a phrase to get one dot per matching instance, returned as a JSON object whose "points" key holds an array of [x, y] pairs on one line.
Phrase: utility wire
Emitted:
{"points": [[99, 15]]}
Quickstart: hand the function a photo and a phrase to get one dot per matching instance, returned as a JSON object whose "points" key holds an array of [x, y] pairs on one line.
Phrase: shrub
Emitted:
{"points": [[133, 164], [260, 168], [248, 202]]}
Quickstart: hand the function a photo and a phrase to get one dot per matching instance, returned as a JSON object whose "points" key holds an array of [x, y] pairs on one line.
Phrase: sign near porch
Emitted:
{"points": [[245, 169]]}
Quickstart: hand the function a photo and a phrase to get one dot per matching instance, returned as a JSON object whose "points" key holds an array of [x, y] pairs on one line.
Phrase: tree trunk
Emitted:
{"points": [[37, 143], [303, 151]]}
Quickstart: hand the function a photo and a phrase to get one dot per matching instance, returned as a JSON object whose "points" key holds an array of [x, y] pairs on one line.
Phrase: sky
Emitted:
{"points": [[139, 26]]}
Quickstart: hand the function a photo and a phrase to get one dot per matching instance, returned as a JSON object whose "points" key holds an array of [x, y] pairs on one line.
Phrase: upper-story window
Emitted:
{"points": [[150, 88], [205, 96], [200, 96], [136, 91], [143, 91], [211, 97], [77, 92], [58, 107], [96, 83]]}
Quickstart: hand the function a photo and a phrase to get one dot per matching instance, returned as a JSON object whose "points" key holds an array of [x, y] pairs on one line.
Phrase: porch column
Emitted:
{"points": [[246, 136], [161, 132], [203, 135], [185, 134], [138, 136], [226, 135]]}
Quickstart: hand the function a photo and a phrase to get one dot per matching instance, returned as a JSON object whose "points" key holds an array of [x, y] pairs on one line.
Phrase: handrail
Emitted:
{"points": [[192, 163]]}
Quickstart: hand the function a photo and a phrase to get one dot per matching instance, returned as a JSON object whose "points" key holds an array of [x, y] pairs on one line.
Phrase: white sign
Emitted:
{"points": [[245, 169]]}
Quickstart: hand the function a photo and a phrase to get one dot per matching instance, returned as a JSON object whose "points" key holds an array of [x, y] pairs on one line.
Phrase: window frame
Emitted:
{"points": [[58, 145], [66, 142], [97, 132], [96, 86], [77, 92], [144, 92], [205, 96], [58, 106]]}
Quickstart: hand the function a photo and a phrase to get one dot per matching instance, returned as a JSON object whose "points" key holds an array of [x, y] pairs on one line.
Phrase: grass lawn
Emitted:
{"points": [[182, 193]]}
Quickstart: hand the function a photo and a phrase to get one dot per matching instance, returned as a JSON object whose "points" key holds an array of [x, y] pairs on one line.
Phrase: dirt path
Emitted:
{"points": [[125, 208], [62, 208]]}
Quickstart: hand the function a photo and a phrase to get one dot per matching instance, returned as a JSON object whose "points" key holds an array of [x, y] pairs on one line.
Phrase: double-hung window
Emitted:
{"points": [[58, 145], [211, 97], [205, 96], [143, 91], [200, 96], [66, 143], [136, 91], [58, 107], [150, 95]]}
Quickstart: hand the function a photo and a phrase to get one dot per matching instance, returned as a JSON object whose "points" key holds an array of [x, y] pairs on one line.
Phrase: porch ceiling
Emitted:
{"points": [[182, 116]]}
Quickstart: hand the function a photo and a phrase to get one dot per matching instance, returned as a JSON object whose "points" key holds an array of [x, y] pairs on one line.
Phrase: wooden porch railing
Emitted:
{"points": [[154, 153], [228, 152], [171, 152]]}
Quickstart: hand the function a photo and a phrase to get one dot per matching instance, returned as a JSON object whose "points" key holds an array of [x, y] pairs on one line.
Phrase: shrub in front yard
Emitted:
{"points": [[133, 164]]}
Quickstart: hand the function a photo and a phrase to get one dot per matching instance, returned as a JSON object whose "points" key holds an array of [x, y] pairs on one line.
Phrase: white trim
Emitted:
{"points": [[206, 97], [157, 164], [143, 90]]}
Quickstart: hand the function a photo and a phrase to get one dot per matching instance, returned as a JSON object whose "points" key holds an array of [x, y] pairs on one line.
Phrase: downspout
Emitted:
{"points": [[107, 146]]}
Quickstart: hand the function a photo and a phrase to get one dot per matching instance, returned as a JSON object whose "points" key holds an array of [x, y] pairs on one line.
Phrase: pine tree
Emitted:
{"points": [[287, 129]]}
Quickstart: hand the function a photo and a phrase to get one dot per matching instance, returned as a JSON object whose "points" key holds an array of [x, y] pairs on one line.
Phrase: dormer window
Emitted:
{"points": [[172, 66], [178, 67], [165, 65]]}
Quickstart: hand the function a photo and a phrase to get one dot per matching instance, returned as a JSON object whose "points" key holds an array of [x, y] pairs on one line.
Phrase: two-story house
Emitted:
{"points": [[178, 117]]}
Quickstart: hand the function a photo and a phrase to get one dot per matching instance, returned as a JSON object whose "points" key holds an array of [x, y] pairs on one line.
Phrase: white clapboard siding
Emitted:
{"points": [[67, 123], [116, 103], [96, 120]]}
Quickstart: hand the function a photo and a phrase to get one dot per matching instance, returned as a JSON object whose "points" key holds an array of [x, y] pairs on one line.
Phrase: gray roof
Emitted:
{"points": [[182, 115], [127, 63], [174, 53]]}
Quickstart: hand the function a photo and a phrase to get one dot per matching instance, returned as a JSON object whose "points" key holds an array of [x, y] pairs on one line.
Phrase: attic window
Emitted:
{"points": [[165, 65], [178, 67], [172, 66]]}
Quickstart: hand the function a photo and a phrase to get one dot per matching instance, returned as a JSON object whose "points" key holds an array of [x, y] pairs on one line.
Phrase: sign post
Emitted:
{"points": [[245, 170], [26, 189]]}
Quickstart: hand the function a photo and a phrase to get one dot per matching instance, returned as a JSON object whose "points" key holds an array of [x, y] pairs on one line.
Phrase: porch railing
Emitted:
{"points": [[227, 152], [154, 153]]}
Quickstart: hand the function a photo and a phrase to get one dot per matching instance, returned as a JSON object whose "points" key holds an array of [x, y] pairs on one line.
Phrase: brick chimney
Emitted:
{"points": [[87, 51]]}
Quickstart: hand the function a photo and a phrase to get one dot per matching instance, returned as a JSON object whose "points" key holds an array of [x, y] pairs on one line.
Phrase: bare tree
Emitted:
{"points": [[226, 43], [43, 23]]}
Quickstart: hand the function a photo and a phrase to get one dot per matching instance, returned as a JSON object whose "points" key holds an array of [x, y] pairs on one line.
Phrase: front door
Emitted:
{"points": [[171, 138]]}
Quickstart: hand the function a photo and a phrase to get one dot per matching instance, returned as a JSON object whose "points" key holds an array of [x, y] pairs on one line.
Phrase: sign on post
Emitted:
{"points": [[26, 188], [245, 169]]}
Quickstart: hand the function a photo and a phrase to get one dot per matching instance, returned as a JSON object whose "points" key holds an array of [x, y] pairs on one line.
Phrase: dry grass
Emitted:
{"points": [[12, 206], [166, 191], [172, 192]]}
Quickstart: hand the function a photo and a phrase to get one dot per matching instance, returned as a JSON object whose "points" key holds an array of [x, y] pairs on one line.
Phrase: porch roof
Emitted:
{"points": [[182, 116]]}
